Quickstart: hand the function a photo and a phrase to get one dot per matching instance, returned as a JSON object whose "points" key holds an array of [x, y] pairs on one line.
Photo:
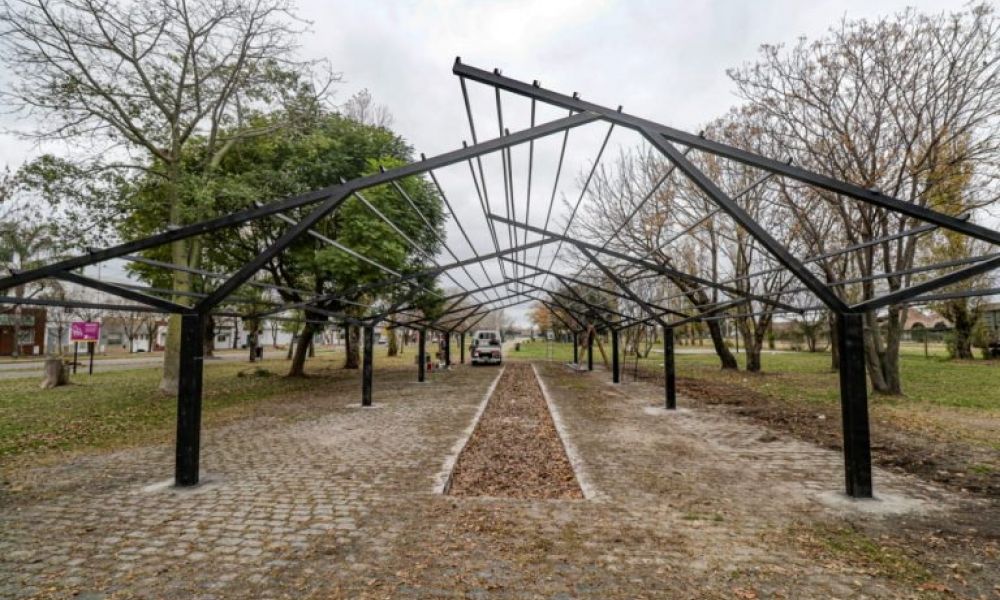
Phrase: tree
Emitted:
{"points": [[650, 229], [287, 162], [149, 78], [27, 240], [881, 104], [541, 317], [361, 107], [131, 324]]}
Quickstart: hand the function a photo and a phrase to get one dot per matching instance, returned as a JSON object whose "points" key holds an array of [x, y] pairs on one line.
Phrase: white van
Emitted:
{"points": [[486, 347]]}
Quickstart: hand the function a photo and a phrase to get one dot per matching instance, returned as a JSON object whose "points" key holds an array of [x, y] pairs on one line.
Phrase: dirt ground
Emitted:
{"points": [[958, 466], [318, 498]]}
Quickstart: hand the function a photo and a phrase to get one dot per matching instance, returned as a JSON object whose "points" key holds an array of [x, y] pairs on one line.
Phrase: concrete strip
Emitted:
{"points": [[575, 460]]}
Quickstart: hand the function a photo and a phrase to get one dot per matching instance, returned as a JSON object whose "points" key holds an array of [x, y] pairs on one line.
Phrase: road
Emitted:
{"points": [[33, 368]]}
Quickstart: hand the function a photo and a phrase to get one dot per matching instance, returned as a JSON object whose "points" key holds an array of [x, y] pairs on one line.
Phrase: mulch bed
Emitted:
{"points": [[515, 451]]}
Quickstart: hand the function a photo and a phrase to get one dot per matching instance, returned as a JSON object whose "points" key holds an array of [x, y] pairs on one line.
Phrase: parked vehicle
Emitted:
{"points": [[485, 349]]}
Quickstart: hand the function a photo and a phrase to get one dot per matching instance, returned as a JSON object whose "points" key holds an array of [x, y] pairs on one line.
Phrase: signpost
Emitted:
{"points": [[84, 331]]}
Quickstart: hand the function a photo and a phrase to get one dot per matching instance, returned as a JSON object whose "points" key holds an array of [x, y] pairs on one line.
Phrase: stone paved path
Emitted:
{"points": [[337, 502]]}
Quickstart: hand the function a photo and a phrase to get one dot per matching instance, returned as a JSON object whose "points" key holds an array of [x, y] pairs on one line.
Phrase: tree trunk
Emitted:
{"points": [[209, 337], [726, 358], [55, 373], [890, 358], [882, 357], [753, 344], [171, 356], [179, 255], [393, 342], [301, 349], [964, 320], [352, 358]]}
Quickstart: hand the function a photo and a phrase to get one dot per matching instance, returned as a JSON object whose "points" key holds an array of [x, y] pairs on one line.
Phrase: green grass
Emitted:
{"points": [[857, 549], [120, 408], [807, 377]]}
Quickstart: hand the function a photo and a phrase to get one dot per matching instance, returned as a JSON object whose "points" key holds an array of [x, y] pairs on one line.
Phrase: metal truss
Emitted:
{"points": [[612, 274]]}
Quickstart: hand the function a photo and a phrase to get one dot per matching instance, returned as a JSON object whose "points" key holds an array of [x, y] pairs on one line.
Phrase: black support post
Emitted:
{"points": [[576, 349], [590, 350], [669, 373], [421, 354], [447, 349], [366, 365], [189, 400], [615, 367], [854, 405], [461, 349]]}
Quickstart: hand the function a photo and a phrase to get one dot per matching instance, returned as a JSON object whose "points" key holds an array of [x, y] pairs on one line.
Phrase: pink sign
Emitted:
{"points": [[84, 331]]}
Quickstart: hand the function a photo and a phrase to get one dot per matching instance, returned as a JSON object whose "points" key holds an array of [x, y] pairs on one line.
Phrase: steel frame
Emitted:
{"points": [[456, 317]]}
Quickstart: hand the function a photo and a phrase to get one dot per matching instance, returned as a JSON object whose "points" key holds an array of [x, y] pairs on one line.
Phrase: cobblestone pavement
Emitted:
{"points": [[324, 499]]}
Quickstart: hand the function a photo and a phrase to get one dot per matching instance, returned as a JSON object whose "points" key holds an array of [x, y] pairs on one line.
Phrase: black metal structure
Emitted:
{"points": [[513, 238]]}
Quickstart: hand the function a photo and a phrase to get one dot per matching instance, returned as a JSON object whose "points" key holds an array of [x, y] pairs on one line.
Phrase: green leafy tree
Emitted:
{"points": [[327, 149], [136, 84]]}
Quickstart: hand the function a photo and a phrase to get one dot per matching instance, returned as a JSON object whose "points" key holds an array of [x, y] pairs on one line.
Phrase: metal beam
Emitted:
{"points": [[669, 368], [189, 386], [854, 405], [830, 184], [79, 304], [122, 292], [656, 268], [927, 286], [646, 307], [366, 364], [738, 214], [239, 217]]}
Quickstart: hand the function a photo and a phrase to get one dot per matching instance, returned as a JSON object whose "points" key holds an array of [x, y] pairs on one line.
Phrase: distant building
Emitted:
{"points": [[23, 330], [991, 317]]}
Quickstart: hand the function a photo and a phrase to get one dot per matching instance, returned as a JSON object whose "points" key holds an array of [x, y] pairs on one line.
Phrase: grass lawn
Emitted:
{"points": [[122, 408]]}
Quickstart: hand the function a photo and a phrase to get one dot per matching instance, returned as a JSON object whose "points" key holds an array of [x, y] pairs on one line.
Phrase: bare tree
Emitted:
{"points": [[893, 105], [361, 107], [150, 78], [132, 323], [652, 229]]}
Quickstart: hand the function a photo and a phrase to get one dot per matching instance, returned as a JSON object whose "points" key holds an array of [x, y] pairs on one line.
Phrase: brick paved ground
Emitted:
{"points": [[318, 498]]}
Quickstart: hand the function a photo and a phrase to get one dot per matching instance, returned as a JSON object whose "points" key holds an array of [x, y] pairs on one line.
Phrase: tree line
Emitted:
{"points": [[906, 105], [177, 112]]}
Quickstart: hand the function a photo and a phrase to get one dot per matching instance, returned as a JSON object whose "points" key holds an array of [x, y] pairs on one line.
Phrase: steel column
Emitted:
{"points": [[669, 373], [576, 349], [447, 349], [366, 365], [615, 371], [461, 348], [590, 349], [421, 354], [854, 405], [189, 400]]}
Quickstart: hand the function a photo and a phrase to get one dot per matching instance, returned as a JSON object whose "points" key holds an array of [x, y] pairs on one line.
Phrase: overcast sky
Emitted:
{"points": [[663, 60]]}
